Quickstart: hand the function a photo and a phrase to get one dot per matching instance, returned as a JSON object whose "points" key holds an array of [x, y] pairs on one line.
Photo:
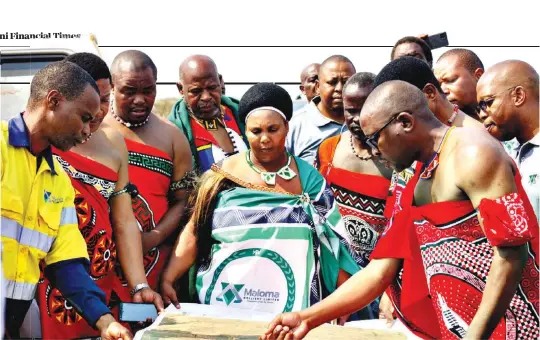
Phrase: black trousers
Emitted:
{"points": [[15, 313]]}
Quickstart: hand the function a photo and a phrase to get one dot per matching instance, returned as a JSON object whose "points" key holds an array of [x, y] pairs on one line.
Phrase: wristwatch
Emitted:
{"points": [[138, 287]]}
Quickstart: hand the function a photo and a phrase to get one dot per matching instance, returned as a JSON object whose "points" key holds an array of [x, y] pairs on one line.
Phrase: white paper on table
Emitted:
{"points": [[212, 311]]}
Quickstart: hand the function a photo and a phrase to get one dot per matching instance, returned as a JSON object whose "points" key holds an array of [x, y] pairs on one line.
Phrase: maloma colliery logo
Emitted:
{"points": [[231, 294]]}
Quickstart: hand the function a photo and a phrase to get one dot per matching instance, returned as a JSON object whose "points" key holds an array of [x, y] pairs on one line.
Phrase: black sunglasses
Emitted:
{"points": [[373, 140], [484, 104]]}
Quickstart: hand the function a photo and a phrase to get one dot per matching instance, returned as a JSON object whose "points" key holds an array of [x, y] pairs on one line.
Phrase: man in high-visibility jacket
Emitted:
{"points": [[38, 219]]}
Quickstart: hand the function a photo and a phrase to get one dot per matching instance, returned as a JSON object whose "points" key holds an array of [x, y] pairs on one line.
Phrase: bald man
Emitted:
{"points": [[508, 106], [458, 71], [308, 80], [474, 226], [323, 118], [159, 163], [208, 118]]}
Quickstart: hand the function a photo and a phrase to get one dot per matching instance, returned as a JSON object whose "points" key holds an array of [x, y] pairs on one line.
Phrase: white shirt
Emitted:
{"points": [[308, 129]]}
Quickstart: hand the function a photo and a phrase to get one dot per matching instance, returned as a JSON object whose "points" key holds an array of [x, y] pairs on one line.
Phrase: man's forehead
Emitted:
{"points": [[408, 47], [447, 65], [369, 120], [200, 79], [129, 75], [200, 74], [338, 67], [487, 84], [355, 92]]}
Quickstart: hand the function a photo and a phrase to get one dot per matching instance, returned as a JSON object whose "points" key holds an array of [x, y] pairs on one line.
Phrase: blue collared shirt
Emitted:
{"points": [[527, 158], [308, 129], [19, 138]]}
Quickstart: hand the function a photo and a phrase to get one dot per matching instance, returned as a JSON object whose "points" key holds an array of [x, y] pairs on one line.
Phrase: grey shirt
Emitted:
{"points": [[527, 158], [308, 129]]}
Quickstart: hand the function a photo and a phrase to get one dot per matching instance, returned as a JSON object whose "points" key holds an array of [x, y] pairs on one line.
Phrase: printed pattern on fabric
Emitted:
{"points": [[368, 205], [363, 219], [105, 187], [145, 221], [270, 255], [150, 204], [224, 218], [394, 292], [152, 163], [59, 319], [457, 259]]}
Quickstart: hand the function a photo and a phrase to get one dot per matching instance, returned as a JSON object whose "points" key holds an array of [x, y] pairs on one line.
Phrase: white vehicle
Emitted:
{"points": [[19, 64]]}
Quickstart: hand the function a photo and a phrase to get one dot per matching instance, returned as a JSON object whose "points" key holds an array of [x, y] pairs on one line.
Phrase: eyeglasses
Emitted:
{"points": [[484, 104], [373, 140]]}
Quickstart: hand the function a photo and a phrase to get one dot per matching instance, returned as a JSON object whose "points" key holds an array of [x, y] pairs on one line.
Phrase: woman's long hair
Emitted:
{"points": [[204, 200]]}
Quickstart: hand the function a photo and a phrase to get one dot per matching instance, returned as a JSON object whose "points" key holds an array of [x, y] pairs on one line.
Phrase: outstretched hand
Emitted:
{"points": [[287, 326], [169, 294]]}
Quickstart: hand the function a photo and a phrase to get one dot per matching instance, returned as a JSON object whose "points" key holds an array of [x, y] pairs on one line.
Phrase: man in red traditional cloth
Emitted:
{"points": [[159, 162], [474, 226]]}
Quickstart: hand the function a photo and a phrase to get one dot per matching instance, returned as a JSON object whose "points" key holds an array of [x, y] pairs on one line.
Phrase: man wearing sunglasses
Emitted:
{"points": [[508, 106], [473, 227]]}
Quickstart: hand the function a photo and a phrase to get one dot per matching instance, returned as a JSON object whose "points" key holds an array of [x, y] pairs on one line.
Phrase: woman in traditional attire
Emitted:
{"points": [[265, 232]]}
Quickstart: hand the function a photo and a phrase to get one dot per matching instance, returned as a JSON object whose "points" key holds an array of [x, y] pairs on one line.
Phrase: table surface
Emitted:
{"points": [[194, 321]]}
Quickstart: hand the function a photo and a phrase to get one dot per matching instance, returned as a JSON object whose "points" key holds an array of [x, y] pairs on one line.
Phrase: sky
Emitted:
{"points": [[364, 32]]}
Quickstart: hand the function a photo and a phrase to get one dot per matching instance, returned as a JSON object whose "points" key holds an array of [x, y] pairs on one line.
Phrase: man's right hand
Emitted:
{"points": [[169, 294], [286, 326], [112, 330], [386, 310], [147, 295]]}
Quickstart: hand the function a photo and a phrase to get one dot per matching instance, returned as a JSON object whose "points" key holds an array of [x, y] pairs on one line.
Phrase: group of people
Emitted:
{"points": [[411, 194]]}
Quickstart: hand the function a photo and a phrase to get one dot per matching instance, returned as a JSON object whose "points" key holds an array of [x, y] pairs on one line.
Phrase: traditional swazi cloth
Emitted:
{"points": [[408, 291], [93, 183], [361, 200], [151, 170], [204, 150], [208, 150], [275, 252], [457, 257]]}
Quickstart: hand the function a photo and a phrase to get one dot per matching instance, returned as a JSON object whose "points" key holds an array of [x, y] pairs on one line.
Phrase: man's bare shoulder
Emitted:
{"points": [[165, 126], [477, 154], [164, 123], [113, 136]]}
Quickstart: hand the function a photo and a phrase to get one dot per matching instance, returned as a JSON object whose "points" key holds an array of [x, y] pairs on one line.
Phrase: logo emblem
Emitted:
{"points": [[532, 178], [49, 198], [230, 293]]}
